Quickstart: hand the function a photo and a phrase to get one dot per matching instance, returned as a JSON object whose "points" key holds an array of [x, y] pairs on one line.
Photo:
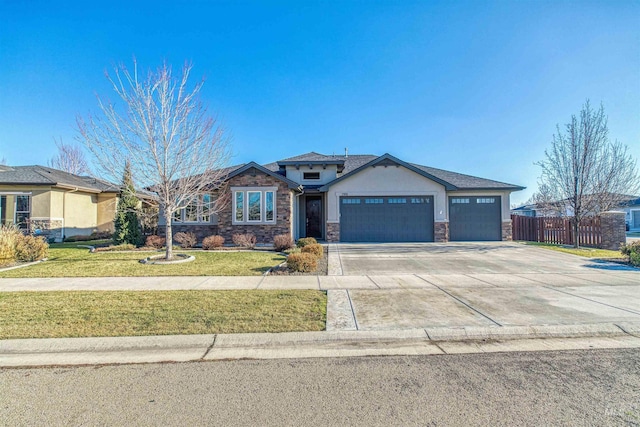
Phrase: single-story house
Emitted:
{"points": [[354, 198], [54, 203], [631, 208]]}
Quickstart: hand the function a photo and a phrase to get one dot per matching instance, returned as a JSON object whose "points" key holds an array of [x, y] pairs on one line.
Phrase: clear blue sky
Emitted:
{"points": [[474, 87]]}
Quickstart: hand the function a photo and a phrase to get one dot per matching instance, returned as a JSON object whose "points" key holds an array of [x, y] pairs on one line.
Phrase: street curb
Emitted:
{"points": [[184, 348]]}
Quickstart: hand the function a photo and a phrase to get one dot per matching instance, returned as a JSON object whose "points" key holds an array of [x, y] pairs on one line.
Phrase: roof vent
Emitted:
{"points": [[346, 152]]}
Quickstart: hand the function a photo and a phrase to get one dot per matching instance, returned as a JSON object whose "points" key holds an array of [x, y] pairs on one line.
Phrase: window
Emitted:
{"points": [[458, 200], [486, 200], [197, 210], [206, 208], [350, 201], [239, 207], [420, 200], [311, 175], [23, 211], [268, 216], [369, 201], [254, 205], [397, 201], [191, 211]]}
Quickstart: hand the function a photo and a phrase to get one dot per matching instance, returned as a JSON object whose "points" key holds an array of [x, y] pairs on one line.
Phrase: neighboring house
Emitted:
{"points": [[631, 208], [354, 198], [54, 203]]}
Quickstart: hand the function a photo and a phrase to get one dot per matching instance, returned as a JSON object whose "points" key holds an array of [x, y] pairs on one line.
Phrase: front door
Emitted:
{"points": [[314, 217]]}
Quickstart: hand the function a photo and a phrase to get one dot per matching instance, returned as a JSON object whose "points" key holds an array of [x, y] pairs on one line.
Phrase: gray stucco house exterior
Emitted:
{"points": [[355, 198]]}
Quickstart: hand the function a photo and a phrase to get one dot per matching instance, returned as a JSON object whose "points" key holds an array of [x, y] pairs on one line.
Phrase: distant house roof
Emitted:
{"points": [[42, 175]]}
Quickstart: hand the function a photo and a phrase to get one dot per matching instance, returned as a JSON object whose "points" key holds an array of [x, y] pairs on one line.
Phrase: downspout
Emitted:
{"points": [[64, 211]]}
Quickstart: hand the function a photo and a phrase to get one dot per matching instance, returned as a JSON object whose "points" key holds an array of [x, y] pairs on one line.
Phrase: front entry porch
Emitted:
{"points": [[311, 216]]}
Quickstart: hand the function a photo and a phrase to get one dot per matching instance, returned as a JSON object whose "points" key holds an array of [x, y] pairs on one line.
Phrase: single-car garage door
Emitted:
{"points": [[386, 219], [475, 218]]}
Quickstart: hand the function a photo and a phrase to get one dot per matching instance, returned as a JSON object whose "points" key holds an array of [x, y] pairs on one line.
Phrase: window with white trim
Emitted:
{"points": [[198, 210], [23, 211], [254, 206]]}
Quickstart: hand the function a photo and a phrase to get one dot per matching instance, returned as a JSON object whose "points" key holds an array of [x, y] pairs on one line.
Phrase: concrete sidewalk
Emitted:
{"points": [[431, 341]]}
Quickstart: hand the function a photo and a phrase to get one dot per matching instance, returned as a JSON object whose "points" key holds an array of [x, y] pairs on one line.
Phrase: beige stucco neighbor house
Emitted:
{"points": [[354, 198], [54, 203]]}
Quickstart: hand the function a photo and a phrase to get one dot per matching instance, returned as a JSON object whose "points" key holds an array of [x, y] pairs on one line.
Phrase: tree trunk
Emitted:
{"points": [[169, 236], [576, 237]]}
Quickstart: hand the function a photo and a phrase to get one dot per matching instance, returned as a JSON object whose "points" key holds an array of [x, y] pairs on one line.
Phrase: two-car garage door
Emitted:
{"points": [[386, 219], [411, 218]]}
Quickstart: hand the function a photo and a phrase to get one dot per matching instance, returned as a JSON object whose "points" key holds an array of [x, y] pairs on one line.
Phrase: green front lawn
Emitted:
{"points": [[67, 261], [585, 252], [137, 313]]}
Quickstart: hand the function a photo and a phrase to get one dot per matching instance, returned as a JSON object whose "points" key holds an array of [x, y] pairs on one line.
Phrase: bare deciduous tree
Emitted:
{"points": [[174, 145], [70, 158], [583, 172]]}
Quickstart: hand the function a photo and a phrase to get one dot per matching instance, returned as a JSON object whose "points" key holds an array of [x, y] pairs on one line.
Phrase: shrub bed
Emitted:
{"points": [[282, 242], [212, 242], [302, 262], [15, 246], [155, 241], [186, 240], [247, 240], [632, 250], [306, 241], [314, 249]]}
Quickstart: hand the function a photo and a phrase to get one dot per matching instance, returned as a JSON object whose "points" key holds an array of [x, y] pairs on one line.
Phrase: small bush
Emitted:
{"points": [[314, 249], [96, 235], [212, 242], [186, 240], [282, 242], [247, 240], [155, 241], [9, 234], [632, 250], [31, 248], [302, 262], [306, 241]]}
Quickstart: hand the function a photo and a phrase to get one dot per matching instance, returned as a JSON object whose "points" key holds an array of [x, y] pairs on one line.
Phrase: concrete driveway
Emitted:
{"points": [[397, 286], [460, 258]]}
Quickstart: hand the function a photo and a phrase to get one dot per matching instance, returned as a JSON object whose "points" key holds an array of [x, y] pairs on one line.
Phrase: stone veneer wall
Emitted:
{"points": [[613, 230], [441, 232], [49, 228], [507, 230], [200, 230], [264, 232], [333, 232]]}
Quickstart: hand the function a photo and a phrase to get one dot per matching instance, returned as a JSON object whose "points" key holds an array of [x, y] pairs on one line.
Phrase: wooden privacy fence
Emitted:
{"points": [[556, 230]]}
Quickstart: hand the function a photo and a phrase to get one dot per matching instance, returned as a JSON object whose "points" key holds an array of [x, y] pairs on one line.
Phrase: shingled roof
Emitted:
{"points": [[41, 175]]}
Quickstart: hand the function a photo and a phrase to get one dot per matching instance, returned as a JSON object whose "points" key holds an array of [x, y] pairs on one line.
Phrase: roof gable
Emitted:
{"points": [[386, 160], [293, 185]]}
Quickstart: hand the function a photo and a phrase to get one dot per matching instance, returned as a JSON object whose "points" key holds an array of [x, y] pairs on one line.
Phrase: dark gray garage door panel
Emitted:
{"points": [[386, 219], [477, 218]]}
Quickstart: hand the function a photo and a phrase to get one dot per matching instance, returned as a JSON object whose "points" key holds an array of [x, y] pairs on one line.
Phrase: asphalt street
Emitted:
{"points": [[593, 387]]}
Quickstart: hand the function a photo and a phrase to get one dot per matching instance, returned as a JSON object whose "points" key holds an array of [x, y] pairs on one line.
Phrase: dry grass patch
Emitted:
{"points": [[585, 252], [137, 313]]}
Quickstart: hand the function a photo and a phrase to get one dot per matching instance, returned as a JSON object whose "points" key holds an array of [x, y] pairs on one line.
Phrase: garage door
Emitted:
{"points": [[386, 219], [475, 218]]}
